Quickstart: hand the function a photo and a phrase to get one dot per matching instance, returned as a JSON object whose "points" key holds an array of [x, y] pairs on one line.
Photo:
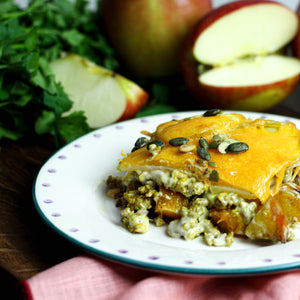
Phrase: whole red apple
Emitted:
{"points": [[230, 60], [148, 34]]}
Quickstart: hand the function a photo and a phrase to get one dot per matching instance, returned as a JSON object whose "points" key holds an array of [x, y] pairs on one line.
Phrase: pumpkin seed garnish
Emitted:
{"points": [[238, 147], [203, 143], [134, 149], [156, 142], [220, 137], [203, 153], [222, 147], [212, 112], [178, 141], [213, 145], [214, 176], [212, 164], [187, 148], [140, 142], [231, 141]]}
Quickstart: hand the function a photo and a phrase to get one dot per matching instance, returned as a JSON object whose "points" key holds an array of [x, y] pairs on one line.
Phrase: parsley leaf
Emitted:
{"points": [[31, 102]]}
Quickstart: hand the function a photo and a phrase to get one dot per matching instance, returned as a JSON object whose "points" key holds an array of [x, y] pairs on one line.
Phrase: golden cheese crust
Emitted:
{"points": [[259, 171]]}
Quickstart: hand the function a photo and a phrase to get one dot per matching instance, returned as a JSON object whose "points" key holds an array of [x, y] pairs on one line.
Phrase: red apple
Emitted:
{"points": [[296, 42], [229, 60], [103, 95], [148, 34]]}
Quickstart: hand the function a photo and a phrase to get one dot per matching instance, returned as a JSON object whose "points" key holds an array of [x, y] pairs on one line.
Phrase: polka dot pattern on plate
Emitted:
{"points": [[48, 201], [70, 195]]}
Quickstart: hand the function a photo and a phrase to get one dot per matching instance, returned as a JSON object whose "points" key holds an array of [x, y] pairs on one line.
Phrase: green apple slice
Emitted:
{"points": [[103, 95]]}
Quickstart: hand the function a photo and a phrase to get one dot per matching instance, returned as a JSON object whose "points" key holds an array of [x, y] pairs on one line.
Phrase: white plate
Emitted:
{"points": [[70, 195]]}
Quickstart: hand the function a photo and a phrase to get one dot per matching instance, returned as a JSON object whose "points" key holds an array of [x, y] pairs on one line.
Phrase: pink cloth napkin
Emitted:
{"points": [[87, 277]]}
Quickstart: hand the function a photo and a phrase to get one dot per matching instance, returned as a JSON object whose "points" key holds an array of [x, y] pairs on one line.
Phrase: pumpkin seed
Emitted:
{"points": [[156, 142], [187, 147], [203, 153], [237, 147], [178, 141], [140, 142], [203, 143], [213, 145], [212, 164], [212, 112], [214, 176], [220, 137], [222, 147], [231, 141]]}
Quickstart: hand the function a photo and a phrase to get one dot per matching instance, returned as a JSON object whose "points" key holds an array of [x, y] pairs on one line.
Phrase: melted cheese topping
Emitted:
{"points": [[273, 146]]}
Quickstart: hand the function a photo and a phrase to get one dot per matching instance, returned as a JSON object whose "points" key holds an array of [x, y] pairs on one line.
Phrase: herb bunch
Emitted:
{"points": [[31, 102]]}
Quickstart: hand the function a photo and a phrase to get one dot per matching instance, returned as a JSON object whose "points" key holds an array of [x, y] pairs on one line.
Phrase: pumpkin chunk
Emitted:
{"points": [[228, 221], [169, 203]]}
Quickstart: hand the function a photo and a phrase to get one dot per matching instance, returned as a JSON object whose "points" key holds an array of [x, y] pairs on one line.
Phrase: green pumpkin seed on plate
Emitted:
{"points": [[203, 153], [239, 147], [178, 141], [203, 143]]}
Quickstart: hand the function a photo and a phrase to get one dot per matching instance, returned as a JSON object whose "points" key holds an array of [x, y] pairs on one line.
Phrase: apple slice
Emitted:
{"points": [[296, 42], [105, 97], [229, 60]]}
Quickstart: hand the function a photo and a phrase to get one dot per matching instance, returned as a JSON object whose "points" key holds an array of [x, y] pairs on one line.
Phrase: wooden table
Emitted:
{"points": [[28, 246]]}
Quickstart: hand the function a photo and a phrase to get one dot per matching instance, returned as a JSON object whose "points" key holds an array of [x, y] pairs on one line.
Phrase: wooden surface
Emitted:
{"points": [[27, 245]]}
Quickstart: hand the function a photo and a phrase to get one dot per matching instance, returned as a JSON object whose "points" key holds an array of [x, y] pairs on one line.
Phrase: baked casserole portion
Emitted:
{"points": [[216, 175]]}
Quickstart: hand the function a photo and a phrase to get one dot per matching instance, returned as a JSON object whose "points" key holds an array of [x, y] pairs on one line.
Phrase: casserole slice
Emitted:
{"points": [[215, 175]]}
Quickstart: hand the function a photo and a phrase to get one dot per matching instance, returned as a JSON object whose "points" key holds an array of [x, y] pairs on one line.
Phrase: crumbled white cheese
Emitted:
{"points": [[220, 240], [245, 208], [174, 180], [294, 231], [135, 222], [188, 226], [194, 222]]}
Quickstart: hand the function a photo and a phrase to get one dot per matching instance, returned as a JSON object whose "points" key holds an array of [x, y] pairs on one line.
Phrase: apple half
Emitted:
{"points": [[230, 60], [104, 96], [296, 41]]}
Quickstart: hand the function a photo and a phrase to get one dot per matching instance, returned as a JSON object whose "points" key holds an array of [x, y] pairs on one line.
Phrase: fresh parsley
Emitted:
{"points": [[31, 101]]}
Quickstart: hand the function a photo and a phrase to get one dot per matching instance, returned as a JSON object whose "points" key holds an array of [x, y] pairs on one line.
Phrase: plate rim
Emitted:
{"points": [[176, 270]]}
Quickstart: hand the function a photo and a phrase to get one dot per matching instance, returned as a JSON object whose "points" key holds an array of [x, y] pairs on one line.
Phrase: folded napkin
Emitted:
{"points": [[87, 277]]}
